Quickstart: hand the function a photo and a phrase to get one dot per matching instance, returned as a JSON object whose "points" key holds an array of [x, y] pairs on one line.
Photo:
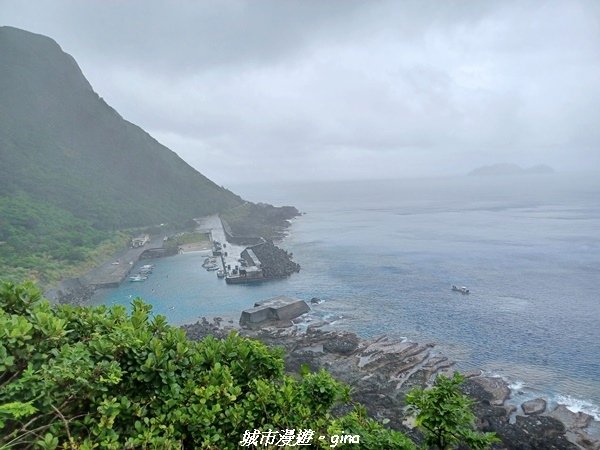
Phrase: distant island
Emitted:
{"points": [[511, 169]]}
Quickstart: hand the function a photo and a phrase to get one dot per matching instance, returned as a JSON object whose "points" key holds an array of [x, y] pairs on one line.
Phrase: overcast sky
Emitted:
{"points": [[342, 89]]}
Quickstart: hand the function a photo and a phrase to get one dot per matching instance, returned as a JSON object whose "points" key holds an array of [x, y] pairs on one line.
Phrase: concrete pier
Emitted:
{"points": [[276, 309]]}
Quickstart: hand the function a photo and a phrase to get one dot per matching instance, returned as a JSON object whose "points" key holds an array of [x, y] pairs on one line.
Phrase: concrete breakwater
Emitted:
{"points": [[246, 259], [381, 371]]}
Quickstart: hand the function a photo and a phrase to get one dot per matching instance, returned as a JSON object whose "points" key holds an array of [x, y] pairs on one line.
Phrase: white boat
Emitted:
{"points": [[138, 278], [147, 267], [462, 289], [221, 273], [212, 268], [209, 262]]}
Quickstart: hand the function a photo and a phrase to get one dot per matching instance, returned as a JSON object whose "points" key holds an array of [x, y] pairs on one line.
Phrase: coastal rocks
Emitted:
{"points": [[535, 406], [381, 371], [496, 388], [472, 373], [576, 424], [573, 420], [536, 432], [342, 344], [199, 330]]}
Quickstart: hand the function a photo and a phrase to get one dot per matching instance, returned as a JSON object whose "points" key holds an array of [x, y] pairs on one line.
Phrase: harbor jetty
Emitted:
{"points": [[245, 259]]}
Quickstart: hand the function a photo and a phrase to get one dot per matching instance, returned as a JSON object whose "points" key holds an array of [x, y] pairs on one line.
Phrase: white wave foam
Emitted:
{"points": [[577, 405], [516, 385]]}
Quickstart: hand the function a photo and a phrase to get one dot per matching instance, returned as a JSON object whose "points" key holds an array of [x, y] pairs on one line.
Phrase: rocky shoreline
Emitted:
{"points": [[381, 371]]}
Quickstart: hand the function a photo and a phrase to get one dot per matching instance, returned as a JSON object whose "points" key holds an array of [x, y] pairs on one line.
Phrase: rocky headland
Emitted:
{"points": [[381, 371]]}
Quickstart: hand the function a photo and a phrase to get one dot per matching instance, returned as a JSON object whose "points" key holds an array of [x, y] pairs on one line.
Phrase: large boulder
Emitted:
{"points": [[535, 406]]}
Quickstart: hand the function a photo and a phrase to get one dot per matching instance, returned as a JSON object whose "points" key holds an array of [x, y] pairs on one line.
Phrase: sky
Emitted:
{"points": [[320, 90]]}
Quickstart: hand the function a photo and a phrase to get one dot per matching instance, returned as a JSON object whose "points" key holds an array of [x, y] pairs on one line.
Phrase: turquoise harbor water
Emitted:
{"points": [[383, 255]]}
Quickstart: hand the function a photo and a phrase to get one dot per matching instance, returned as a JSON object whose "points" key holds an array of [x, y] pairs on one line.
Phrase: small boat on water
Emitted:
{"points": [[462, 289], [221, 273], [147, 267], [212, 268], [138, 277], [209, 262]]}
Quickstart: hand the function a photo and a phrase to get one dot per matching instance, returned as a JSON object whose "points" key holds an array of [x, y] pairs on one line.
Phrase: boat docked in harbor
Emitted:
{"points": [[244, 276], [138, 277], [209, 263], [220, 273], [462, 289]]}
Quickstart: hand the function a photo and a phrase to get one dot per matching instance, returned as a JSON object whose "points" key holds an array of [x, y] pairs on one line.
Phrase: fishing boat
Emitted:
{"points": [[462, 289], [138, 277]]}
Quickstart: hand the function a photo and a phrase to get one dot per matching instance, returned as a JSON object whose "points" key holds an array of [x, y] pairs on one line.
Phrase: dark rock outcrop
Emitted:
{"points": [[275, 262]]}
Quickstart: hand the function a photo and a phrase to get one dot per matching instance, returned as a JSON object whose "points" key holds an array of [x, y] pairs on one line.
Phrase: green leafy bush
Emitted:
{"points": [[444, 415], [83, 378]]}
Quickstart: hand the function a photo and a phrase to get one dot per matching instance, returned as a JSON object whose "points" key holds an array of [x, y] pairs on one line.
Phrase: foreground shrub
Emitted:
{"points": [[444, 415], [82, 377]]}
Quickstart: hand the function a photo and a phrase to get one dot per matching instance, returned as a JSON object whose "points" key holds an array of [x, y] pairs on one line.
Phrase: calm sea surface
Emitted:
{"points": [[383, 255]]}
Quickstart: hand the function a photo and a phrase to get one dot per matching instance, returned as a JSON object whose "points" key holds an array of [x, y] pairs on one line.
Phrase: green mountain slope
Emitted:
{"points": [[72, 170], [61, 144]]}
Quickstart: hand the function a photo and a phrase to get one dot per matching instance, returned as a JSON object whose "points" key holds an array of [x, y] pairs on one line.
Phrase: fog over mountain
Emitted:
{"points": [[320, 90], [62, 145]]}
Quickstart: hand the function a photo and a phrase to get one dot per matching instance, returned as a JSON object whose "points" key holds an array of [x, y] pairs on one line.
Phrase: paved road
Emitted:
{"points": [[213, 225], [110, 274]]}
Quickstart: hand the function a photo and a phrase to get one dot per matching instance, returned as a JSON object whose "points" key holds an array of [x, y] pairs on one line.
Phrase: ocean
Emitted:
{"points": [[382, 255]]}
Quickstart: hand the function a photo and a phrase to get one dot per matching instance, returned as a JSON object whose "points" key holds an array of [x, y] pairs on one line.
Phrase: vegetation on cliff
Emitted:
{"points": [[261, 219], [42, 242]]}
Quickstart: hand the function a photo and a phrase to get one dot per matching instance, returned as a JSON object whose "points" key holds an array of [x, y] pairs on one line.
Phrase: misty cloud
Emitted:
{"points": [[342, 89]]}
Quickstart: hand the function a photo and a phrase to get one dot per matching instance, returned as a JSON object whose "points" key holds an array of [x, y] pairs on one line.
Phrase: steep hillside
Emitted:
{"points": [[62, 145], [72, 170]]}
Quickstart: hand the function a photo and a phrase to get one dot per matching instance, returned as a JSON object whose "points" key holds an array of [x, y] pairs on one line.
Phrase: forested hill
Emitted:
{"points": [[62, 146]]}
